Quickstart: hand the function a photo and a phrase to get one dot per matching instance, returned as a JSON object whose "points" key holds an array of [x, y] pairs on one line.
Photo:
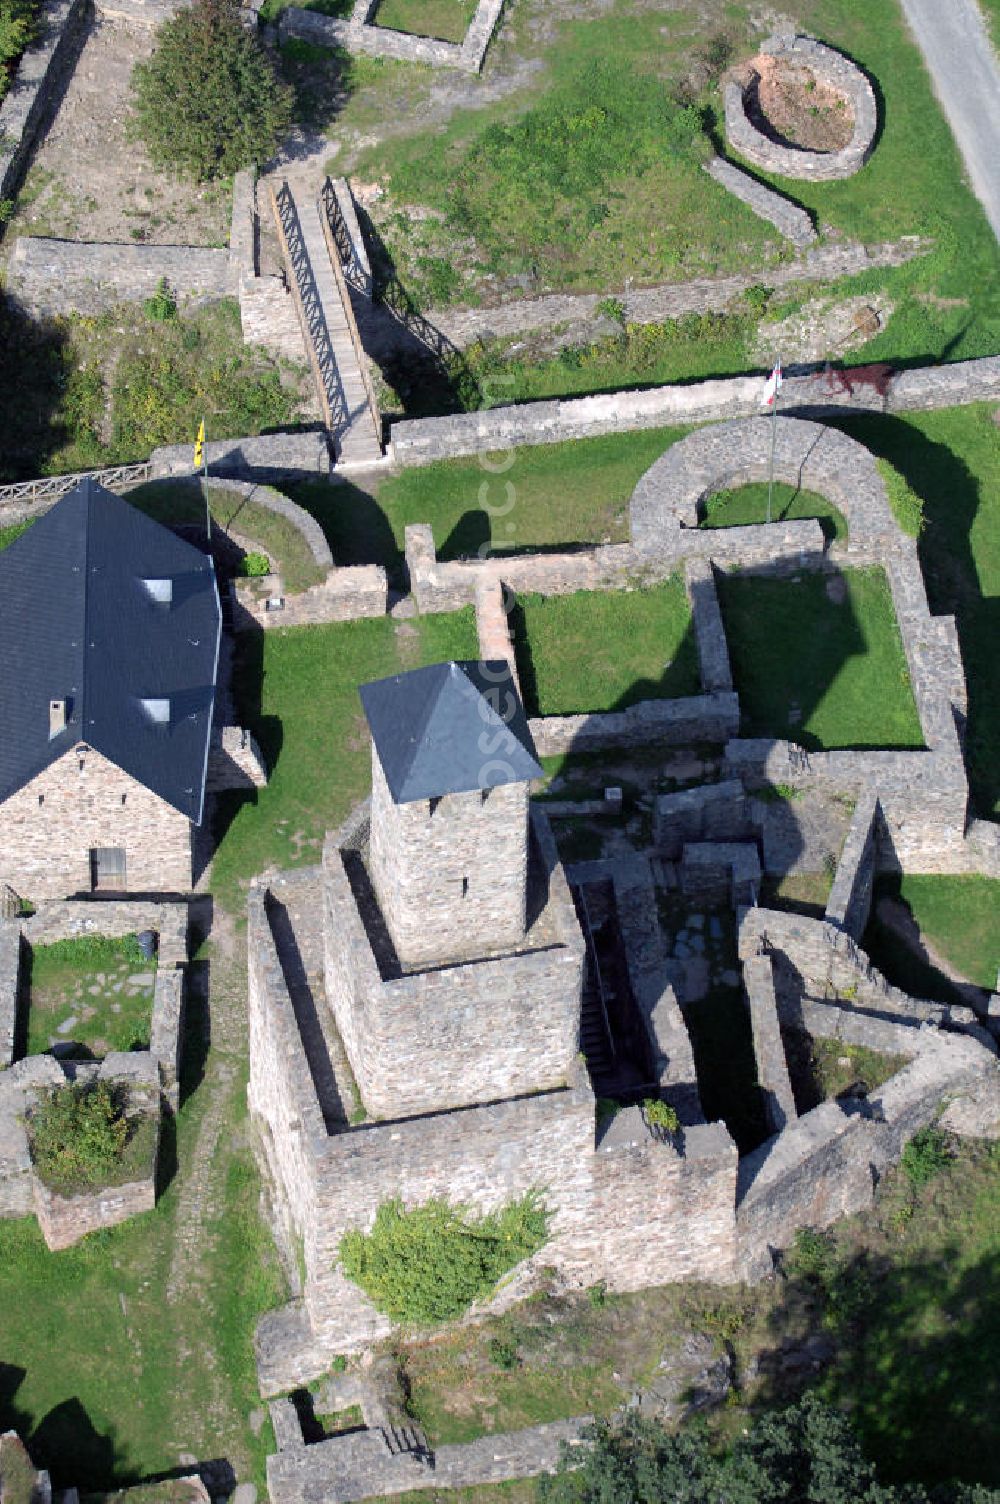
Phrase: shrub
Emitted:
{"points": [[209, 100], [907, 506], [255, 565], [79, 1133], [162, 305], [924, 1156], [660, 1115], [503, 1353], [813, 1256], [613, 309], [430, 1264], [17, 26]]}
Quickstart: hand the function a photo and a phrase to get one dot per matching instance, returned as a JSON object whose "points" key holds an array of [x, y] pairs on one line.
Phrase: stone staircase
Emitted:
{"points": [[328, 326]]}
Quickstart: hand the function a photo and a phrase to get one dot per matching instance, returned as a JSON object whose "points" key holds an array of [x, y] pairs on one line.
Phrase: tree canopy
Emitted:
{"points": [[806, 1454], [209, 101]]}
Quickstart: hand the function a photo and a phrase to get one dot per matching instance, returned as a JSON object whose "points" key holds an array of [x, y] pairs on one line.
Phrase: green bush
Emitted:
{"points": [[924, 1156], [504, 1354], [79, 1134], [430, 1264], [209, 101], [17, 25], [162, 305], [660, 1115], [253, 566], [813, 1256]]}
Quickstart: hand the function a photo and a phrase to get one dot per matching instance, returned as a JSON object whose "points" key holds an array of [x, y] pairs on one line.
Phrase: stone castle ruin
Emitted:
{"points": [[425, 1007]]}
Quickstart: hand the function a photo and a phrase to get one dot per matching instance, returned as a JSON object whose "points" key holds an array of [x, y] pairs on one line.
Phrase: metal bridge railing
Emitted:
{"points": [[51, 487], [310, 310]]}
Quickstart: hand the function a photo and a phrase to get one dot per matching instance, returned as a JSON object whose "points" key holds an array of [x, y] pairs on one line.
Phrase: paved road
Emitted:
{"points": [[966, 78]]}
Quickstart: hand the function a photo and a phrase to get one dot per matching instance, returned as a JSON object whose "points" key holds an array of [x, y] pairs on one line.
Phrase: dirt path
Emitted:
{"points": [[966, 79]]}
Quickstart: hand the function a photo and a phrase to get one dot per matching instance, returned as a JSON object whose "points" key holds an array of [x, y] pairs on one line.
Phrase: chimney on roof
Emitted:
{"points": [[57, 717]]}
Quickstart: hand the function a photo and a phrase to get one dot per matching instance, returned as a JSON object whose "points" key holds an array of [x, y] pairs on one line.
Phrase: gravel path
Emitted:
{"points": [[966, 78]]}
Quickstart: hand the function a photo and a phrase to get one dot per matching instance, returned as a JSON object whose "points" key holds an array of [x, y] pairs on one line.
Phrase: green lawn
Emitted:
{"points": [[93, 993], [109, 1383], [175, 502], [748, 504], [446, 19], [544, 496], [605, 650], [821, 672], [297, 690], [951, 459], [960, 916]]}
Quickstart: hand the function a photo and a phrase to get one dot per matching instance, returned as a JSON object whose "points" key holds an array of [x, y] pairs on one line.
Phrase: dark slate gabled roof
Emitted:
{"points": [[448, 729], [78, 623]]}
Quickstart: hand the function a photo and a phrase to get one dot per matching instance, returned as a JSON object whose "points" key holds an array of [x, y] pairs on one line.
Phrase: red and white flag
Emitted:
{"points": [[773, 386]]}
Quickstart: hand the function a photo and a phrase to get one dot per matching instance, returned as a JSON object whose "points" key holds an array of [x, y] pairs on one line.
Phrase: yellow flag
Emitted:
{"points": [[199, 445]]}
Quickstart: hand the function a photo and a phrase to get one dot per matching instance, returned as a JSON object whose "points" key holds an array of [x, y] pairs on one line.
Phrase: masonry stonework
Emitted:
{"points": [[49, 827]]}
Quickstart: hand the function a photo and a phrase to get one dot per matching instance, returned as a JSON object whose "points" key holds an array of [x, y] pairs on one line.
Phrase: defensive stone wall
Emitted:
{"points": [[358, 35], [850, 900], [769, 1050], [346, 594], [826, 1164], [52, 277], [37, 80], [417, 441], [710, 636], [790, 220], [504, 1024], [10, 988], [259, 458], [671, 723], [708, 812], [828, 67]]}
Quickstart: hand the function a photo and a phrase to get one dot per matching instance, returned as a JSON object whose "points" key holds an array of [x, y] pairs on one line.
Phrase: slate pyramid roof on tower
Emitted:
{"points": [[449, 729], [114, 615]]}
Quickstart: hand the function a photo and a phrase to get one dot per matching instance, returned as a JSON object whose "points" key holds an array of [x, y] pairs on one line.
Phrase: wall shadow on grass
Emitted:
{"points": [[35, 356], [912, 1348]]}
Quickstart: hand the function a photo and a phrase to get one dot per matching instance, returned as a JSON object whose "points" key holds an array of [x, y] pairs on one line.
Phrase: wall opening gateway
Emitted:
{"points": [[107, 869]]}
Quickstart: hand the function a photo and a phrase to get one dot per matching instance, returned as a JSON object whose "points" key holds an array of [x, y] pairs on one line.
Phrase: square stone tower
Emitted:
{"points": [[452, 757]]}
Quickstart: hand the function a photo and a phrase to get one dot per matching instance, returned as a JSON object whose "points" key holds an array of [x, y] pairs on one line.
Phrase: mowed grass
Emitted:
{"points": [[960, 916], [107, 1381], [446, 19], [601, 650], [821, 672], [297, 690], [951, 459], [540, 497], [748, 504], [183, 502]]}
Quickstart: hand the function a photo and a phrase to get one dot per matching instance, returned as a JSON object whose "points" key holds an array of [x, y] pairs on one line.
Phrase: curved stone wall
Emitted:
{"points": [[831, 68], [729, 455]]}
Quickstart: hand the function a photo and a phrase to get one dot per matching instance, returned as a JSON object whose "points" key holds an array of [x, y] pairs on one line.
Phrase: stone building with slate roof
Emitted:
{"points": [[109, 636]]}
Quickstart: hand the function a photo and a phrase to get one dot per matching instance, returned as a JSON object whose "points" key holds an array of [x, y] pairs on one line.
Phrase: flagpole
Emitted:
{"points": [[208, 510]]}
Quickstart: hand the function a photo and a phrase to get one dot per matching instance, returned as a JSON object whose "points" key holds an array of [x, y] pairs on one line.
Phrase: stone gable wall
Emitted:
{"points": [[850, 902], [45, 847]]}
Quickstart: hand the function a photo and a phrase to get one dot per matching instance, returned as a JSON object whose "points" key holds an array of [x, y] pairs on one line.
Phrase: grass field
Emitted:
{"points": [[86, 992], [108, 390], [952, 460], [446, 19], [605, 650], [297, 690], [107, 1381], [175, 502], [822, 672], [748, 504], [960, 916], [649, 215], [543, 497]]}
